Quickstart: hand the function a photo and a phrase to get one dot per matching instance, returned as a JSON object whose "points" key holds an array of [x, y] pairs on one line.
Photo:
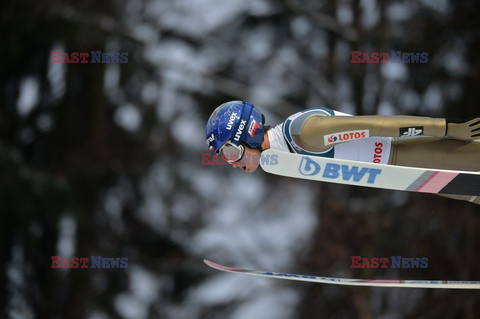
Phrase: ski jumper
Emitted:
{"points": [[395, 140]]}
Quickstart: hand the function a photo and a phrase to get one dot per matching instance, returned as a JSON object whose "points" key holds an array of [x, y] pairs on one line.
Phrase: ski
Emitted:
{"points": [[352, 282], [365, 174]]}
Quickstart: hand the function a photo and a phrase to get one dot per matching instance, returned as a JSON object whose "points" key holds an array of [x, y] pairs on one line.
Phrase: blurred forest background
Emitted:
{"points": [[105, 159]]}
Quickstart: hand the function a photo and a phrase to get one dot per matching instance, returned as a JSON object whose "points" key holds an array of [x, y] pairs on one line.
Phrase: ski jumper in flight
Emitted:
{"points": [[237, 128]]}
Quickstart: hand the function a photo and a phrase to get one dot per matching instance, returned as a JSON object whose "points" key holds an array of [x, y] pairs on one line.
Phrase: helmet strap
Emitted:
{"points": [[244, 117]]}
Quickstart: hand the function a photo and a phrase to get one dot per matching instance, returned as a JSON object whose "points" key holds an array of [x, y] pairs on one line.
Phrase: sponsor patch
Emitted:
{"points": [[252, 129], [378, 152], [345, 136], [411, 131], [210, 140]]}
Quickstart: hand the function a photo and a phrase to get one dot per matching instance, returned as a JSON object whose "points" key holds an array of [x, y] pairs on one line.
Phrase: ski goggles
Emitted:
{"points": [[231, 152]]}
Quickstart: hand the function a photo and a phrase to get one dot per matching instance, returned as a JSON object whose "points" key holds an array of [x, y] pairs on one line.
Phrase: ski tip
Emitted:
{"points": [[214, 265], [208, 262], [221, 267]]}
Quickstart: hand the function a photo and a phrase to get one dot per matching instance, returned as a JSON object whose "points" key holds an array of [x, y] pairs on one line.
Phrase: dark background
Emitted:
{"points": [[104, 159]]}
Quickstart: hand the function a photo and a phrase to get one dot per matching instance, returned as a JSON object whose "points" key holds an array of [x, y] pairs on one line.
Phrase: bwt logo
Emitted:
{"points": [[308, 167], [247, 159], [385, 262], [82, 57], [96, 262], [382, 57]]}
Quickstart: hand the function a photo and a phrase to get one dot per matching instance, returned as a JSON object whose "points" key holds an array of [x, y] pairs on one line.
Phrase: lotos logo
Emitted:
{"points": [[345, 136], [309, 167], [332, 139], [378, 152]]}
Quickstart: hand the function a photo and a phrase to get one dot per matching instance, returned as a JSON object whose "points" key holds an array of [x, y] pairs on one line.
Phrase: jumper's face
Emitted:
{"points": [[250, 160]]}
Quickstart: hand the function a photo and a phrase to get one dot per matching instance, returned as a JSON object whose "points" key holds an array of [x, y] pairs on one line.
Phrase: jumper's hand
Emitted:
{"points": [[464, 131]]}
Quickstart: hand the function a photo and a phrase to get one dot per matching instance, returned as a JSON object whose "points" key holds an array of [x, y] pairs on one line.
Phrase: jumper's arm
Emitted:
{"points": [[323, 132]]}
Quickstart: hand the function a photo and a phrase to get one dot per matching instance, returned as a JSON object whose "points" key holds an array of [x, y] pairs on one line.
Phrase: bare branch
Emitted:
{"points": [[323, 21]]}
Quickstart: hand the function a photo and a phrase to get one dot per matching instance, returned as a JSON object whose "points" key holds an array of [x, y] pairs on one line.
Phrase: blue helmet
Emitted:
{"points": [[237, 122]]}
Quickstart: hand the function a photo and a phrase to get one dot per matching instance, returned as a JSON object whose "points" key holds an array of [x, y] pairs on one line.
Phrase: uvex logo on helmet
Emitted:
{"points": [[238, 135], [345, 136], [233, 116]]}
